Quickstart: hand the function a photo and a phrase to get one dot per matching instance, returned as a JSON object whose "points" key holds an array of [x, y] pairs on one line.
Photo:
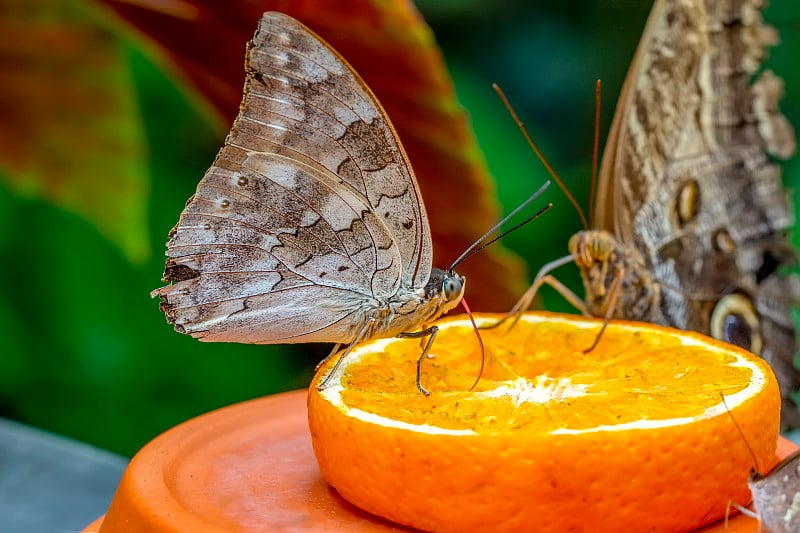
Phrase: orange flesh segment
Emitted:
{"points": [[539, 378]]}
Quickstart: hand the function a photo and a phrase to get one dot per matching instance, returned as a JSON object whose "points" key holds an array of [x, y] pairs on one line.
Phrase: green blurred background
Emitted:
{"points": [[85, 351]]}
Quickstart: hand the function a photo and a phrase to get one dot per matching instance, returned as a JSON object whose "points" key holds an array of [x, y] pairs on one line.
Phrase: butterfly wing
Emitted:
{"points": [[309, 214], [687, 179], [776, 496]]}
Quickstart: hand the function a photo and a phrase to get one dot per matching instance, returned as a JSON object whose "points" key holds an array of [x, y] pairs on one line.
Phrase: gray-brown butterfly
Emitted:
{"points": [[689, 227], [309, 226], [776, 496]]}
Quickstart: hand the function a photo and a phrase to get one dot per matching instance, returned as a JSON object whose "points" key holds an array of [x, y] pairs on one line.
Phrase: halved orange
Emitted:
{"points": [[632, 436]]}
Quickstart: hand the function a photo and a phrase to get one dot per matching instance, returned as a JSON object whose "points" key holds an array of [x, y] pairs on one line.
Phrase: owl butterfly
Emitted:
{"points": [[689, 227], [309, 226]]}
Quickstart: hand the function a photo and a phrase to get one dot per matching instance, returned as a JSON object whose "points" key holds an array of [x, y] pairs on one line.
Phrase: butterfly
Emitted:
{"points": [[776, 496], [309, 226], [690, 223]]}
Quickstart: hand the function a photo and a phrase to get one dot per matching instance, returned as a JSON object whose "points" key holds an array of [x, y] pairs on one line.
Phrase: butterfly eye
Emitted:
{"points": [[734, 320], [452, 287]]}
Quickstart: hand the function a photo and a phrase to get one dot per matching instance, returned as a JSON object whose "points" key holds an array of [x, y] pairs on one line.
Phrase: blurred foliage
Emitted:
{"points": [[71, 132], [86, 352]]}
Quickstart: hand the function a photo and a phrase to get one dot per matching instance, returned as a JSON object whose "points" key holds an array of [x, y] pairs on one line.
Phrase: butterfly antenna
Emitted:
{"points": [[596, 147], [479, 243], [515, 228], [480, 343], [539, 154], [739, 429]]}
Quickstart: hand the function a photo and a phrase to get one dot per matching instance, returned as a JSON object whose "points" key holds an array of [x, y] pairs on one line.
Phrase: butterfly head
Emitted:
{"points": [[592, 247], [445, 286]]}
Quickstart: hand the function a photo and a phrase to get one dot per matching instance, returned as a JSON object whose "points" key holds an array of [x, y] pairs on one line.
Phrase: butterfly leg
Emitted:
{"points": [[744, 510], [611, 305], [431, 333], [543, 277], [363, 333], [330, 354]]}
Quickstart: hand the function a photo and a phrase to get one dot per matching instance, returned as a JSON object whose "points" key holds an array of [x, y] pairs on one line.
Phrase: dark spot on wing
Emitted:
{"points": [[733, 23], [769, 264], [174, 272], [255, 74], [736, 330]]}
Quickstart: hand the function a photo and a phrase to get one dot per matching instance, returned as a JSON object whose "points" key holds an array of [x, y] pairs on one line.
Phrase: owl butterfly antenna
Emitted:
{"points": [[539, 154], [543, 277], [595, 147]]}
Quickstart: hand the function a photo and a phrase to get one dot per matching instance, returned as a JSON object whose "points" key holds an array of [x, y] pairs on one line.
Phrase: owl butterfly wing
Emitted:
{"points": [[687, 95], [686, 177], [309, 211]]}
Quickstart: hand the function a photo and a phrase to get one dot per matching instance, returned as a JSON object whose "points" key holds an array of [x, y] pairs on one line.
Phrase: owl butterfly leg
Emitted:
{"points": [[543, 277], [610, 305], [363, 333], [431, 333]]}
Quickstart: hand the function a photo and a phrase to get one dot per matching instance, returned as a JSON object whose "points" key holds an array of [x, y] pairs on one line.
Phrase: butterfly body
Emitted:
{"points": [[691, 218], [309, 226]]}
